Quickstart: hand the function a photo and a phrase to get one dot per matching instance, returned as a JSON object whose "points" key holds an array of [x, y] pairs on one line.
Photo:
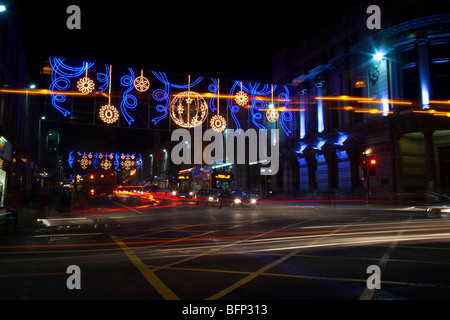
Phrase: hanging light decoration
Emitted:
{"points": [[241, 98], [108, 113], [141, 83], [85, 85], [188, 109], [272, 114], [218, 123]]}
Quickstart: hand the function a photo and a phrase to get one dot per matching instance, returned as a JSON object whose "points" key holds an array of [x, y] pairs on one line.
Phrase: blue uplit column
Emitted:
{"points": [[320, 121], [424, 71], [302, 112]]}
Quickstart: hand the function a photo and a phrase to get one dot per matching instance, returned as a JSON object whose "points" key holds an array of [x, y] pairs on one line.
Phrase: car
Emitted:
{"points": [[206, 196], [182, 194], [235, 198], [242, 198], [434, 205], [8, 215]]}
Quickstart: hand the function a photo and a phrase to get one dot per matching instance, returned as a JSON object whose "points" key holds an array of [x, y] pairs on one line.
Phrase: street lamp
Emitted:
{"points": [[378, 56]]}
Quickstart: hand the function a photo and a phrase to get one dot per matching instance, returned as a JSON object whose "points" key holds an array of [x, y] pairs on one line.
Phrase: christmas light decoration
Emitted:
{"points": [[141, 83], [106, 164], [127, 161], [241, 98], [85, 84], [86, 160], [108, 113], [60, 76], [129, 101], [188, 109], [234, 108], [285, 114], [103, 78], [218, 123], [272, 114]]}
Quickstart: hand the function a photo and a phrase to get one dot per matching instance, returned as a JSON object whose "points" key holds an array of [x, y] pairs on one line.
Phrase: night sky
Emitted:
{"points": [[225, 39]]}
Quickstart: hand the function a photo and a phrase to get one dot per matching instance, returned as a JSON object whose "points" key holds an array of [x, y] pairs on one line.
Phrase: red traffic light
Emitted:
{"points": [[373, 161]]}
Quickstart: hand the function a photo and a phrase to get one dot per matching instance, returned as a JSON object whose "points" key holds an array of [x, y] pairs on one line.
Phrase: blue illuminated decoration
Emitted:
{"points": [[95, 163], [286, 115], [139, 161], [161, 95], [258, 104], [116, 161], [61, 73], [234, 108], [129, 101], [185, 86], [103, 78], [213, 88], [65, 74], [70, 159], [103, 161]]}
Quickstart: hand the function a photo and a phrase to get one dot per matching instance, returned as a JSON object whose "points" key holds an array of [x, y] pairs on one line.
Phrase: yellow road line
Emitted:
{"points": [[154, 281], [297, 276], [260, 271], [218, 248]]}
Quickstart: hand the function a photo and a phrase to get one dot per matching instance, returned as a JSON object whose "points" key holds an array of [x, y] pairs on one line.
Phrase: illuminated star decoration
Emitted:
{"points": [[218, 123], [85, 85], [141, 83], [108, 113]]}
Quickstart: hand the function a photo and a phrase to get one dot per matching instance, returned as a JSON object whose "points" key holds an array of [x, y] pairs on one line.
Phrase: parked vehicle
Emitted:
{"points": [[433, 205], [8, 216]]}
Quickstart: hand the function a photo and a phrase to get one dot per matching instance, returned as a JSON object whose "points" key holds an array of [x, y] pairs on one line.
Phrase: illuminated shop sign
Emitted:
{"points": [[223, 176]]}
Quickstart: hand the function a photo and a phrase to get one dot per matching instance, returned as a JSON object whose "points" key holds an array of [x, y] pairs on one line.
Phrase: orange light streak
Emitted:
{"points": [[363, 100], [47, 92]]}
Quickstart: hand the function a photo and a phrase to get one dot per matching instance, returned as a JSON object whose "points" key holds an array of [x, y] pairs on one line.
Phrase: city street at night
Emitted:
{"points": [[225, 159], [274, 251]]}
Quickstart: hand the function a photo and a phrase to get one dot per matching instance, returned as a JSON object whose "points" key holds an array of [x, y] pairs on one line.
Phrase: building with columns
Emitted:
{"points": [[372, 94]]}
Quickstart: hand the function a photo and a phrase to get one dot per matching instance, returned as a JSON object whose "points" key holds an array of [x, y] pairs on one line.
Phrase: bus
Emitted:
{"points": [[99, 185]]}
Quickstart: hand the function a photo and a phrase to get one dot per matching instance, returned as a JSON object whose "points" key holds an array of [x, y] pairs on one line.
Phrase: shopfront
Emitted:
{"points": [[5, 157]]}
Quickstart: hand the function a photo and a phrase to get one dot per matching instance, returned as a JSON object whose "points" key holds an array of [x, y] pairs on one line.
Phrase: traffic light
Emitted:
{"points": [[372, 167], [364, 167]]}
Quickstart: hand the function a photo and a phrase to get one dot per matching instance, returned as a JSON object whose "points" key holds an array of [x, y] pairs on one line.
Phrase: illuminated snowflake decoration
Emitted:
{"points": [[85, 85], [141, 84], [218, 123], [241, 98], [109, 114], [188, 109], [85, 161], [106, 164], [127, 164], [272, 115]]}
